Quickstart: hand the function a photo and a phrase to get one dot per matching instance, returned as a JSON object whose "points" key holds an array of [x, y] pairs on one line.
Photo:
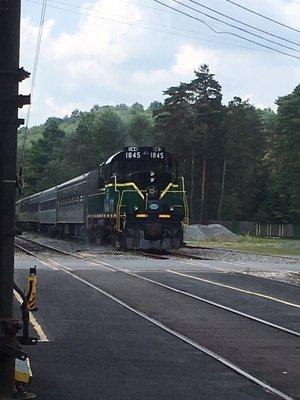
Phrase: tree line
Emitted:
{"points": [[239, 162]]}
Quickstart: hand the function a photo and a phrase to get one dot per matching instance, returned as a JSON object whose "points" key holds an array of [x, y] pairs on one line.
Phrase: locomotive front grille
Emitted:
{"points": [[153, 230]]}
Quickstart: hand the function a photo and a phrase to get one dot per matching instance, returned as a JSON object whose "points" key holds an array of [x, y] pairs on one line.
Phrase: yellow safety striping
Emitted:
{"points": [[235, 288], [128, 184], [37, 327], [23, 371]]}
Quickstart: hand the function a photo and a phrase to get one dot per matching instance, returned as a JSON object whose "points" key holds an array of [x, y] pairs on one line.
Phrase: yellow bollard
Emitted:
{"points": [[31, 296]]}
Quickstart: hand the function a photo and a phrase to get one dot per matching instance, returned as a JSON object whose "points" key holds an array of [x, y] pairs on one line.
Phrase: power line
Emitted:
{"points": [[244, 23], [149, 7], [264, 16], [34, 75], [124, 1], [144, 27], [90, 10], [224, 32], [231, 25]]}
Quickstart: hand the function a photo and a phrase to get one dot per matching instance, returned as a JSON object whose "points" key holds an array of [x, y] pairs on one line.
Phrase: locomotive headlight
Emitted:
{"points": [[171, 208]]}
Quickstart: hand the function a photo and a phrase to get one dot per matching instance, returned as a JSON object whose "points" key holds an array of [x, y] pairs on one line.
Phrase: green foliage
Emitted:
{"points": [[140, 130], [44, 158], [250, 157]]}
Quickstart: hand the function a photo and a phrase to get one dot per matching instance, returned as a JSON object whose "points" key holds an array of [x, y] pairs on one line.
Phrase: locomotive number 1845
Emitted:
{"points": [[157, 154], [133, 154], [138, 154]]}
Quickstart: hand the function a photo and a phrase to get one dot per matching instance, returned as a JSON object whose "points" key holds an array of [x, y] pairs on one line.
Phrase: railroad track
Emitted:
{"points": [[216, 249], [124, 271], [34, 250], [169, 254]]}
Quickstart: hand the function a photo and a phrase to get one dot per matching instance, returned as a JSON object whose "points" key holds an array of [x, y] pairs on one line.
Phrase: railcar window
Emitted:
{"points": [[48, 205], [34, 207], [71, 200]]}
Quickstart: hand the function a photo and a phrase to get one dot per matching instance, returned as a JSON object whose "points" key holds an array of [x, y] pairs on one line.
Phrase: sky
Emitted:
{"points": [[126, 51]]}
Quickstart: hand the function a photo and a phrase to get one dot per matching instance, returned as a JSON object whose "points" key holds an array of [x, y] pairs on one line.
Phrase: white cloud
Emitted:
{"points": [[98, 61], [288, 13], [61, 110], [97, 41], [187, 59], [190, 57]]}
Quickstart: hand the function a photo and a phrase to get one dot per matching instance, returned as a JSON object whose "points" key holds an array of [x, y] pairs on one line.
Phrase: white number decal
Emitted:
{"points": [[134, 154], [155, 154]]}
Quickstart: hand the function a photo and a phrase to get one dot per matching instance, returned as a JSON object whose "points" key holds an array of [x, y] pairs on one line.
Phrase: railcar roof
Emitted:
{"points": [[33, 196], [49, 190], [74, 180], [62, 185]]}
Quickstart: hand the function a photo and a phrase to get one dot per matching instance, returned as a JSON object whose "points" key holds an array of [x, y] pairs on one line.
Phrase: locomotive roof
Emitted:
{"points": [[113, 157]]}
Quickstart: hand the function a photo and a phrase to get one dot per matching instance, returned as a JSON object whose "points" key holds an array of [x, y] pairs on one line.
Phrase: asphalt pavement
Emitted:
{"points": [[98, 349]]}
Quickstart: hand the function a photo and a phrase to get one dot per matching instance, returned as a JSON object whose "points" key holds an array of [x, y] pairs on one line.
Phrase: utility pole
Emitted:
{"points": [[10, 76], [204, 178]]}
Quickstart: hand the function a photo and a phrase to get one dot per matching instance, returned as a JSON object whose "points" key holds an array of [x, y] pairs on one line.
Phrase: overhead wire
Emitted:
{"points": [[245, 24], [98, 11], [231, 25], [90, 14], [33, 79], [90, 10], [265, 16], [224, 32]]}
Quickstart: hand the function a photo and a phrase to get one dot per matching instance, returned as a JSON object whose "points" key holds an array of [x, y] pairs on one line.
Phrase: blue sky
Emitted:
{"points": [[123, 51]]}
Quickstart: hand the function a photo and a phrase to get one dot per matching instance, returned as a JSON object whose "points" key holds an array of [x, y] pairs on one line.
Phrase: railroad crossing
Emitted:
{"points": [[130, 326]]}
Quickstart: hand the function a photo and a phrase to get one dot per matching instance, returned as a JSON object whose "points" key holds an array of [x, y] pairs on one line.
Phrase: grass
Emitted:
{"points": [[269, 246]]}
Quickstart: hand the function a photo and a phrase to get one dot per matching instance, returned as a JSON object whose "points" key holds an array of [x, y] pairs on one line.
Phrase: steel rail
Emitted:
{"points": [[176, 334], [170, 288]]}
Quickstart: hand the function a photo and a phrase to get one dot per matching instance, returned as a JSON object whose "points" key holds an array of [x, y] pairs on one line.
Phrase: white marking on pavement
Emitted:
{"points": [[240, 264], [232, 310], [185, 339], [237, 312], [37, 327], [195, 264], [235, 288]]}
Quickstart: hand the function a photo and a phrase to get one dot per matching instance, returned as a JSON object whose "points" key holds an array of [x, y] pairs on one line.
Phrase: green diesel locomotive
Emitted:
{"points": [[135, 199]]}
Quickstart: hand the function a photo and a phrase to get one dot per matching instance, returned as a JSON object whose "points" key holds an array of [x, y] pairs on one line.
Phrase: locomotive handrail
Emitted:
{"points": [[183, 192], [119, 205], [185, 202]]}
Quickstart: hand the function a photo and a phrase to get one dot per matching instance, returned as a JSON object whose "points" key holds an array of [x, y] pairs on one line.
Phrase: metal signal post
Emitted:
{"points": [[10, 76]]}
